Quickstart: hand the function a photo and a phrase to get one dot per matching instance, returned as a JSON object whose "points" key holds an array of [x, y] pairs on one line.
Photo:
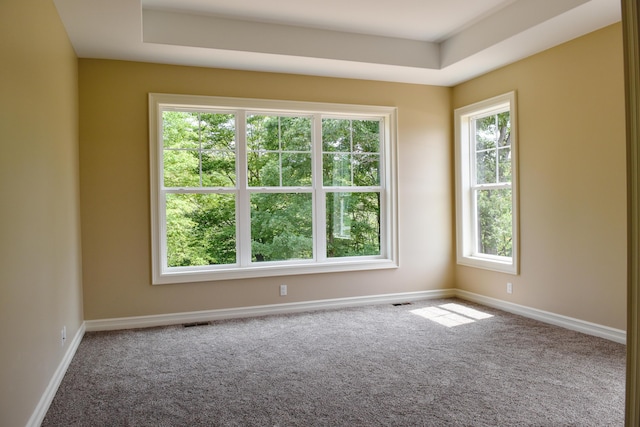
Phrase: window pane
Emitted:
{"points": [[218, 169], [263, 169], [181, 168], [336, 135], [180, 129], [280, 151], [218, 131], [201, 229], [486, 132], [185, 136], [494, 222], [504, 129], [486, 167], [296, 169], [366, 136], [263, 132], [295, 133], [504, 164], [366, 169], [281, 226], [353, 224], [337, 169]]}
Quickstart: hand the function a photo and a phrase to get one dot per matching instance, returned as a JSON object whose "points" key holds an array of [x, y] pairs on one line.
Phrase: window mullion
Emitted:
{"points": [[383, 191], [319, 194], [498, 149], [475, 232], [473, 155], [243, 206], [200, 147], [351, 151], [162, 213], [280, 149]]}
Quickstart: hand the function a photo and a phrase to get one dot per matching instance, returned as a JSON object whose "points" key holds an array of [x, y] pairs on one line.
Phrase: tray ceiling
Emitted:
{"points": [[438, 42]]}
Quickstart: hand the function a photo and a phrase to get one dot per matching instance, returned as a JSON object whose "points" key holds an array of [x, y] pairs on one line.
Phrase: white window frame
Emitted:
{"points": [[466, 213], [162, 274]]}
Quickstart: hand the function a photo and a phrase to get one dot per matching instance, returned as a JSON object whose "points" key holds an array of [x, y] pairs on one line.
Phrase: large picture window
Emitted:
{"points": [[486, 184], [247, 188]]}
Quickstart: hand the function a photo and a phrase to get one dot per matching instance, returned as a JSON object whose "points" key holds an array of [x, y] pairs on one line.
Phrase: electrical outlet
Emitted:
{"points": [[283, 290], [509, 288]]}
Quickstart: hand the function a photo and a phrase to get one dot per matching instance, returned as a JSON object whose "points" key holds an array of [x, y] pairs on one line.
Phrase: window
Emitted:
{"points": [[248, 188], [486, 184]]}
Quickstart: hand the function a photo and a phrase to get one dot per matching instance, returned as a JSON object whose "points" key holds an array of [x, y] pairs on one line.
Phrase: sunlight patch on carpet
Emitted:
{"points": [[451, 315], [466, 311]]}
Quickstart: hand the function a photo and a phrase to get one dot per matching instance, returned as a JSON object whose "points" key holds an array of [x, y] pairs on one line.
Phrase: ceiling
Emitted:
{"points": [[437, 42]]}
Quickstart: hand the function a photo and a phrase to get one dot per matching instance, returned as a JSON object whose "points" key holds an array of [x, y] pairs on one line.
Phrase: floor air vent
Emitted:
{"points": [[191, 325], [401, 303]]}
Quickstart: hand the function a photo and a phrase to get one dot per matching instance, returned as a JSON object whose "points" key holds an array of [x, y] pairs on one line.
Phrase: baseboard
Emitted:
{"points": [[606, 332], [262, 310], [589, 328], [50, 392]]}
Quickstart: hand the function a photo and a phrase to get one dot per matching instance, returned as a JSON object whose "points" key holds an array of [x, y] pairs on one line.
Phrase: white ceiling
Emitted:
{"points": [[438, 42]]}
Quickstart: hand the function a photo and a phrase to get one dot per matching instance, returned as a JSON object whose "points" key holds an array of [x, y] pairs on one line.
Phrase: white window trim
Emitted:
{"points": [[388, 175], [464, 165]]}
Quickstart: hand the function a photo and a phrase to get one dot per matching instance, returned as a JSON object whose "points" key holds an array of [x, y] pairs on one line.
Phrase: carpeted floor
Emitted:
{"points": [[430, 363]]}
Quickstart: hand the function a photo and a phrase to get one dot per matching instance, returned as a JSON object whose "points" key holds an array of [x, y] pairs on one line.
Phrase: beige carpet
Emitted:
{"points": [[431, 363]]}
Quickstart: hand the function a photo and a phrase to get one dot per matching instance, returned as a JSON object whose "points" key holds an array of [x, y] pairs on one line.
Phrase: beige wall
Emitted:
{"points": [[572, 175], [40, 274], [572, 179], [114, 159]]}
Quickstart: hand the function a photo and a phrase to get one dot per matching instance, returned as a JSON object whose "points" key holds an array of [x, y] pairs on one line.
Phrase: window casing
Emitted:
{"points": [[253, 188], [487, 228]]}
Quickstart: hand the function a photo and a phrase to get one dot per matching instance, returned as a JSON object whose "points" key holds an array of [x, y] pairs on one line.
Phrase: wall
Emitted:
{"points": [[40, 274], [114, 159], [572, 179]]}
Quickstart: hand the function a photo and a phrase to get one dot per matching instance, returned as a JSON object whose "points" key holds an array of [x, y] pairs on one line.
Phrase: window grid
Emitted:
{"points": [[476, 188], [243, 192]]}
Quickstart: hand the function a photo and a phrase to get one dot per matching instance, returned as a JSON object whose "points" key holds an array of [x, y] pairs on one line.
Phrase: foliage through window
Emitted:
{"points": [[242, 188], [487, 226]]}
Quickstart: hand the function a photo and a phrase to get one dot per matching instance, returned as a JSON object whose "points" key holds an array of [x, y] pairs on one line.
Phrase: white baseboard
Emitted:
{"points": [[589, 328], [606, 332], [261, 310], [50, 392]]}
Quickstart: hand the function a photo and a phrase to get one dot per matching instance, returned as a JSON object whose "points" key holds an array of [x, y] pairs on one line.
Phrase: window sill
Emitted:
{"points": [[509, 267], [210, 275]]}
